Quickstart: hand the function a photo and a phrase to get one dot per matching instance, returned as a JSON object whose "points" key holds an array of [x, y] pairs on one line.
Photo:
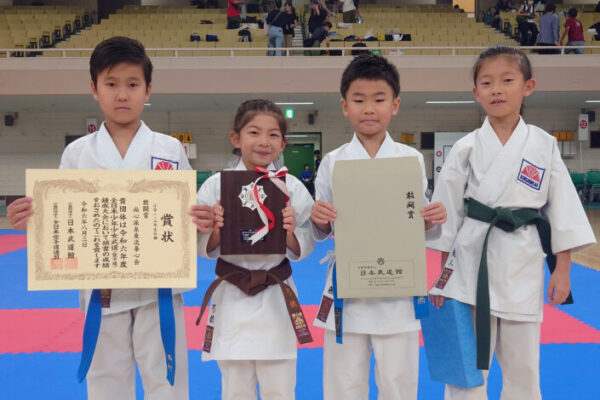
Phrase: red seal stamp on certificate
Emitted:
{"points": [[56, 263]]}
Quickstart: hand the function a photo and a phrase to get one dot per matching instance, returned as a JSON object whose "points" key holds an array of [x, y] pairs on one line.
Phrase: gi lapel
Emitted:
{"points": [[107, 155], [504, 165], [139, 150]]}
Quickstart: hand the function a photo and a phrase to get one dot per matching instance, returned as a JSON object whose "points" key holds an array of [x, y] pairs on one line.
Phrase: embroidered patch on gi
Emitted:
{"points": [[443, 279], [531, 175], [161, 163]]}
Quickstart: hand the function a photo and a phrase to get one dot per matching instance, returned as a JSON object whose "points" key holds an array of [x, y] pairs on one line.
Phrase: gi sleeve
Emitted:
{"points": [[434, 232], [569, 224], [323, 192], [302, 202], [68, 160], [208, 194], [449, 190], [183, 159]]}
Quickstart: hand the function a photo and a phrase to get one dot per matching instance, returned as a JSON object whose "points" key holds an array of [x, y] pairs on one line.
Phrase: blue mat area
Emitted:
{"points": [[11, 232], [14, 287], [585, 295], [568, 371]]}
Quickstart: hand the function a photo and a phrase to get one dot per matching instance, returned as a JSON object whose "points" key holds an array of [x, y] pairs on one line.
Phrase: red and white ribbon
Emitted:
{"points": [[265, 214]]}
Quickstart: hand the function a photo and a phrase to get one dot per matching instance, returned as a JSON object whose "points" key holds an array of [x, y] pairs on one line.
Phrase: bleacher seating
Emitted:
{"points": [[429, 26], [177, 24], [584, 13], [36, 27]]}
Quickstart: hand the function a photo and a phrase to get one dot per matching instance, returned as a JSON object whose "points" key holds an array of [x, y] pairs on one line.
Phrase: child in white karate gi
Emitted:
{"points": [[386, 326], [503, 180], [251, 335], [130, 332]]}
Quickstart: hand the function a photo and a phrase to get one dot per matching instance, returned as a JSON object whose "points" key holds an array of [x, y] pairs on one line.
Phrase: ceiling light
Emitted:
{"points": [[148, 104], [306, 103], [450, 102], [592, 101]]}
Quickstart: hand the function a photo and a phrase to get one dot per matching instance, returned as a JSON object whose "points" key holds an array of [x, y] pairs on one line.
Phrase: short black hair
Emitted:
{"points": [[550, 7], [371, 67], [327, 24], [572, 12], [117, 50]]}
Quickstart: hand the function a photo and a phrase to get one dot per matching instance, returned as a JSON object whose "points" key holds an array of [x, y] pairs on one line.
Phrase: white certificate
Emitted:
{"points": [[95, 229], [379, 230]]}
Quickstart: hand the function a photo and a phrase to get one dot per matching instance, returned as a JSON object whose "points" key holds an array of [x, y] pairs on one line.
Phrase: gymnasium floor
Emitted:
{"points": [[40, 334]]}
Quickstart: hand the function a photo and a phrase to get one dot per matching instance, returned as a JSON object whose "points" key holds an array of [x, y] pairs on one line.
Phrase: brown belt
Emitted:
{"points": [[252, 282]]}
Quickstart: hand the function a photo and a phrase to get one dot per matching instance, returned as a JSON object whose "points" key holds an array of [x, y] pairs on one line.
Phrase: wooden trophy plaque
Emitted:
{"points": [[242, 217]]}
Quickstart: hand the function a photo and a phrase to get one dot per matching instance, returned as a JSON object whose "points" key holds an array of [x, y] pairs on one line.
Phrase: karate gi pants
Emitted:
{"points": [[517, 348], [346, 366], [276, 379], [134, 336]]}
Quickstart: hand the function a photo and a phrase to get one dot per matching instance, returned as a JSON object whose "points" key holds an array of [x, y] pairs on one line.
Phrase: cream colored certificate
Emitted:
{"points": [[379, 231], [111, 229]]}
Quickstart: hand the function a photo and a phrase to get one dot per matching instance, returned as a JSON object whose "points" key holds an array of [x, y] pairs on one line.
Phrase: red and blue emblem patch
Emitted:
{"points": [[161, 163], [531, 175]]}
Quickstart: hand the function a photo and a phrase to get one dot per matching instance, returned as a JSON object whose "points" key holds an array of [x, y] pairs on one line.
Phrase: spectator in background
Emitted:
{"points": [[317, 159], [501, 6], [527, 26], [233, 13], [358, 17], [318, 15], [549, 24], [291, 22], [277, 19], [348, 12], [597, 9], [318, 36], [574, 32], [307, 179], [458, 9]]}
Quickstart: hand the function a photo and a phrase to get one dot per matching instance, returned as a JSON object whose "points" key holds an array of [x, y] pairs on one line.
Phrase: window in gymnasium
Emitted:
{"points": [[427, 140], [595, 139]]}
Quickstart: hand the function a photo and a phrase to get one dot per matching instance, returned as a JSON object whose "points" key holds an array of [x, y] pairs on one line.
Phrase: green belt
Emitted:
{"points": [[508, 220]]}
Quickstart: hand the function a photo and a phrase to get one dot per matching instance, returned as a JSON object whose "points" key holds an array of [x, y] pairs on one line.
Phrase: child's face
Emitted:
{"points": [[260, 141], [121, 93], [500, 88], [370, 105]]}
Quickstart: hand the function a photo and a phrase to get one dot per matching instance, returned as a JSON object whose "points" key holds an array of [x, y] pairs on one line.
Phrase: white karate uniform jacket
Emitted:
{"points": [[147, 149], [381, 316], [527, 172], [254, 327]]}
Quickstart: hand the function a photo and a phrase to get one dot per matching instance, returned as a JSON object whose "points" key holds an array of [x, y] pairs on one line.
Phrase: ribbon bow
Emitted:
{"points": [[266, 215]]}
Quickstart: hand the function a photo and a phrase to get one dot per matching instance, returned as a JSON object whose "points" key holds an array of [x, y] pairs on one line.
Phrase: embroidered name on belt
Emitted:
{"points": [[531, 175]]}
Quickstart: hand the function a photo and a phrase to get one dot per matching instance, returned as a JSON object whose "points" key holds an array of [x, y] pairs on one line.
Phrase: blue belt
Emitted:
{"points": [[338, 308], [91, 329]]}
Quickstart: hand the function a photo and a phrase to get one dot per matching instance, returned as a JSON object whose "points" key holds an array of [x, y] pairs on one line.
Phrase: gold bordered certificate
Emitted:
{"points": [[379, 231], [111, 229]]}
